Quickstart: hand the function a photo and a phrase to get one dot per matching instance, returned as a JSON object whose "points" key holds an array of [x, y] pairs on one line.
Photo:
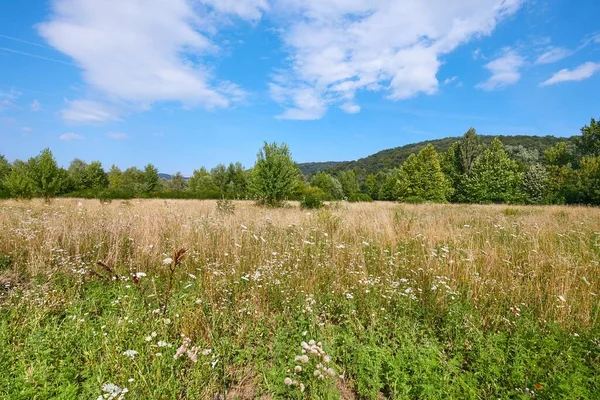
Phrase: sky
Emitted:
{"points": [[190, 83]]}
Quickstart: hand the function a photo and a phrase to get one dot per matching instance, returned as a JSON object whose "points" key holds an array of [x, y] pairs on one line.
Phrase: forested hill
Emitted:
{"points": [[392, 158]]}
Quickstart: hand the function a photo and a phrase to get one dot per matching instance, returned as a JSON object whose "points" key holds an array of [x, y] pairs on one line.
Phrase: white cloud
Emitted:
{"points": [[580, 73], [88, 111], [146, 51], [338, 47], [350, 108], [448, 81], [35, 106], [504, 69], [7, 98], [117, 135], [553, 55], [70, 136]]}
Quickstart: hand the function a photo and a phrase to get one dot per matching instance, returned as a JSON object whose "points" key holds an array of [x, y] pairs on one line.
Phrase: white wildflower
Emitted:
{"points": [[167, 261], [287, 381], [130, 353]]}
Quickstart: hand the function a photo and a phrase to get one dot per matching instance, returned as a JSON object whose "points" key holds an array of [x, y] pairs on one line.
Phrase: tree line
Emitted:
{"points": [[467, 172]]}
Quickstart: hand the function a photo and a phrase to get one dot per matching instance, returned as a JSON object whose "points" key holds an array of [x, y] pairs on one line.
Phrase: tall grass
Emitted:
{"points": [[409, 301]]}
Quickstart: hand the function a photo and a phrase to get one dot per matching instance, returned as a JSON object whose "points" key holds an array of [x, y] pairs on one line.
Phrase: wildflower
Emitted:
{"points": [[162, 343], [130, 380], [130, 353], [297, 369], [287, 381], [167, 261], [303, 359], [206, 352], [192, 276], [302, 387], [349, 296], [140, 274], [331, 372]]}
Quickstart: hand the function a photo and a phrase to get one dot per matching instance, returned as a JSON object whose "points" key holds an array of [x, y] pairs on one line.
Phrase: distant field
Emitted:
{"points": [[402, 301]]}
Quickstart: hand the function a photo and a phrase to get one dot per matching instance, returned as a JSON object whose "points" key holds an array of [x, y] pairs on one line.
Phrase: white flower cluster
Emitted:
{"points": [[311, 350], [112, 391], [191, 352]]}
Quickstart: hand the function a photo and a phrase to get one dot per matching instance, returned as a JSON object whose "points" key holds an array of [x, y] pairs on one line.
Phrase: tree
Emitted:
{"points": [[77, 174], [201, 182], [95, 176], [589, 180], [421, 178], [177, 183], [349, 183], [535, 184], [494, 178], [559, 155], [588, 144], [274, 175], [469, 149], [18, 182], [150, 179], [48, 179], [4, 171], [330, 186]]}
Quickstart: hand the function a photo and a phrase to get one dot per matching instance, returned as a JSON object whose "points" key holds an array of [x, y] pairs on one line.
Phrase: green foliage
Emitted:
{"points": [[47, 178], [588, 144], [349, 183], [150, 182], [589, 180], [275, 174], [389, 159], [535, 184], [18, 182], [421, 177], [330, 186], [495, 178], [561, 154], [360, 198], [312, 198], [177, 183]]}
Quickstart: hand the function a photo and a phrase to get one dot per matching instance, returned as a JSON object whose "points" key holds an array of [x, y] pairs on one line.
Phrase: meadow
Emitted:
{"points": [[186, 299]]}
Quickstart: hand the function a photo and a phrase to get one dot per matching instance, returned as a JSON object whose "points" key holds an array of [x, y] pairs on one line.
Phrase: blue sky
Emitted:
{"points": [[190, 83]]}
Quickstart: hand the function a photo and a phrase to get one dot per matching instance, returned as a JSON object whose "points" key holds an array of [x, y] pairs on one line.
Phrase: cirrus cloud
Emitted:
{"points": [[584, 71]]}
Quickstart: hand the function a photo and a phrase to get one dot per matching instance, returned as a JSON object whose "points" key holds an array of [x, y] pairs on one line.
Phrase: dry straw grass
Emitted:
{"points": [[541, 259]]}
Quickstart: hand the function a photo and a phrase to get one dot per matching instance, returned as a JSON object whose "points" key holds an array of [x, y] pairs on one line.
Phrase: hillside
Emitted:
{"points": [[392, 158]]}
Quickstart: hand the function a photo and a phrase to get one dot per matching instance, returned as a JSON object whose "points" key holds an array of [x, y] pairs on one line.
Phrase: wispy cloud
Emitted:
{"points": [[117, 135], [35, 106], [88, 111], [553, 55], [70, 136], [504, 69], [584, 71], [338, 48]]}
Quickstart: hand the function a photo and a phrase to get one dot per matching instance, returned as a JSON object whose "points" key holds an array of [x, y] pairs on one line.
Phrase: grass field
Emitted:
{"points": [[354, 301]]}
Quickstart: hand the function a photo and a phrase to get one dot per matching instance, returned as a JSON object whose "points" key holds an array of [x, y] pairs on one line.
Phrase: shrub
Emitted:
{"points": [[313, 198], [359, 197]]}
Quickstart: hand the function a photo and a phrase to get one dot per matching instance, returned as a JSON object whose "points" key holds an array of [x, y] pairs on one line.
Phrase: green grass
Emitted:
{"points": [[391, 313]]}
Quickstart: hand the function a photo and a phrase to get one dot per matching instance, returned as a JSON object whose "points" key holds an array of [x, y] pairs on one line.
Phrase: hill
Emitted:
{"points": [[393, 158]]}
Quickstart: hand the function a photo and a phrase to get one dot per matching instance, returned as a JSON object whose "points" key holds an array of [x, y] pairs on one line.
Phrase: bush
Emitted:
{"points": [[359, 197], [313, 198]]}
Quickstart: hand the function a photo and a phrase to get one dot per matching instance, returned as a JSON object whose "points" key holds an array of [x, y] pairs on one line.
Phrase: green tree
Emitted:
{"points": [[588, 144], [220, 179], [18, 182], [4, 171], [177, 183], [201, 183], [150, 179], [469, 149], [494, 178], [48, 178], [77, 174], [589, 180], [349, 183], [330, 186], [559, 155], [95, 176], [421, 178], [274, 176], [535, 184]]}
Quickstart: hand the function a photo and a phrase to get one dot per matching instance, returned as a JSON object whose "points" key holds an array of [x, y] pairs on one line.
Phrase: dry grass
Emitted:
{"points": [[525, 257]]}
